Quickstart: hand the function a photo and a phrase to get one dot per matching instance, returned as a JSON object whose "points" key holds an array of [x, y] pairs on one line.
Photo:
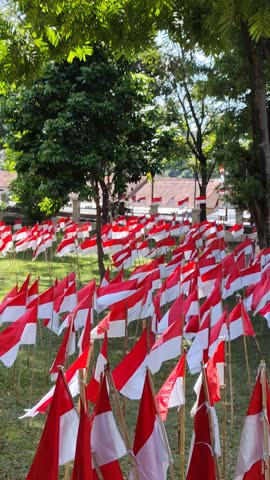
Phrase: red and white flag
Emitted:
{"points": [[58, 440], [114, 293], [106, 441], [129, 375], [114, 323], [236, 230], [151, 450], [92, 388], [21, 332], [239, 322], [13, 308], [175, 312], [250, 464], [172, 392], [201, 462], [67, 348], [82, 469], [88, 247], [68, 245], [167, 346], [201, 200], [156, 199], [183, 203]]}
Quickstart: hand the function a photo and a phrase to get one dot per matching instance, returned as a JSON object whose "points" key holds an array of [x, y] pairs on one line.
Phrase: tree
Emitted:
{"points": [[81, 127], [218, 27], [184, 80]]}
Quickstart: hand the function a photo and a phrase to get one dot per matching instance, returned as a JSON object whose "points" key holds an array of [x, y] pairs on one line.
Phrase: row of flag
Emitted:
{"points": [[184, 203]]}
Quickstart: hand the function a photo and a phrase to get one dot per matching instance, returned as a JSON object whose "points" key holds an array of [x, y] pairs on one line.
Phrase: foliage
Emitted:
{"points": [[81, 124]]}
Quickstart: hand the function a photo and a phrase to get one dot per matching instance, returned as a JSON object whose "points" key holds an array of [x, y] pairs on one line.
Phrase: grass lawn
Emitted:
{"points": [[27, 381]]}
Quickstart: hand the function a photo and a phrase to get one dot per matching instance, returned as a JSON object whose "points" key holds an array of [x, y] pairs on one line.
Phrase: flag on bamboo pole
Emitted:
{"points": [[201, 200], [85, 337], [114, 323], [67, 348], [174, 313], [151, 451], [239, 322], [13, 308], [82, 469], [253, 457], [92, 389], [106, 442], [183, 203], [67, 245], [21, 332], [32, 292], [205, 446], [114, 293], [172, 392], [236, 230], [58, 441], [129, 375], [167, 346]]}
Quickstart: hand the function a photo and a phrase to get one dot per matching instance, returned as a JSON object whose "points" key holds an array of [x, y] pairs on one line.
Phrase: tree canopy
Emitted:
{"points": [[82, 127]]}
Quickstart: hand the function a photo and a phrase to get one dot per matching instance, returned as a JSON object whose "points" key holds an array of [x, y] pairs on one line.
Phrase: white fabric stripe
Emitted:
{"points": [[106, 440]]}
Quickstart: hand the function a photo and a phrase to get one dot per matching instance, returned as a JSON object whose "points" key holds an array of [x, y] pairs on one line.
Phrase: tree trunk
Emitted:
{"points": [[98, 232], [260, 129], [105, 202], [203, 187]]}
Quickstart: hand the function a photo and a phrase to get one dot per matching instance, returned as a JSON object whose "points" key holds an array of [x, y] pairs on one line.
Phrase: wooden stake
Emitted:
{"points": [[229, 363], [247, 363], [122, 424], [163, 431]]}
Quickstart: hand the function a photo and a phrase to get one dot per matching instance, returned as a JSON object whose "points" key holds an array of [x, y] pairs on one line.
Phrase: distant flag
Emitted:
{"points": [[156, 199], [201, 200], [236, 230], [183, 203], [141, 200], [67, 245], [17, 224]]}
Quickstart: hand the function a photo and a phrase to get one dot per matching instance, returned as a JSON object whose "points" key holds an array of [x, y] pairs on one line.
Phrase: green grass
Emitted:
{"points": [[25, 383]]}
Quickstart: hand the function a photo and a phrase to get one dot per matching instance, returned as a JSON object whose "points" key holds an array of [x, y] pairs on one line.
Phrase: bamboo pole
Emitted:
{"points": [[247, 363], [265, 421], [182, 433], [224, 422], [163, 431], [211, 429], [122, 424]]}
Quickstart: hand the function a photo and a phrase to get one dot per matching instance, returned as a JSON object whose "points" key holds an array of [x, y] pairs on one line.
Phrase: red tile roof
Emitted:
{"points": [[6, 179], [172, 190]]}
